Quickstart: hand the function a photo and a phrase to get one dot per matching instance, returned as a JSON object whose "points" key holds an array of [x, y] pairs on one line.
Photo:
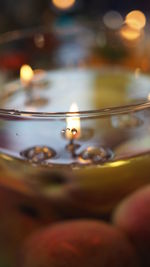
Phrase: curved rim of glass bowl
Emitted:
{"points": [[107, 112], [100, 113]]}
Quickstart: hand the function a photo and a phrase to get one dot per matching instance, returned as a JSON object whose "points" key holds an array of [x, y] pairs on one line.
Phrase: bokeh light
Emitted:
{"points": [[26, 74], [130, 34], [113, 20], [63, 4], [136, 20]]}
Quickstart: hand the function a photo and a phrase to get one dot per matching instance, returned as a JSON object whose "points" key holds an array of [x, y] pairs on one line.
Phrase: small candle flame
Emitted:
{"points": [[73, 124], [26, 74]]}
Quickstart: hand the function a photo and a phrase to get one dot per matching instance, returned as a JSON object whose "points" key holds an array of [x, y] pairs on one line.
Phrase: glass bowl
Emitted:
{"points": [[74, 115]]}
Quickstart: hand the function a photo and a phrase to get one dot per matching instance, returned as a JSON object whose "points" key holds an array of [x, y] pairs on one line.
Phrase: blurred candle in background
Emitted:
{"points": [[26, 75], [63, 4]]}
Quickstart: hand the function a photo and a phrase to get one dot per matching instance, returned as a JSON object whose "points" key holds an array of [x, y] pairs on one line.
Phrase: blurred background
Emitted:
{"points": [[21, 14], [82, 33]]}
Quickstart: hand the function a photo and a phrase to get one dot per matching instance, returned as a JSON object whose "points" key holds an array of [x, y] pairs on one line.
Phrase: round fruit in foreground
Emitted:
{"points": [[133, 217], [82, 243]]}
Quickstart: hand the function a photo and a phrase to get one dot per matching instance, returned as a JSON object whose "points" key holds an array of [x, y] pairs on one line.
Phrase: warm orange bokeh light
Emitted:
{"points": [[26, 74], [63, 4], [73, 123], [136, 20], [130, 34]]}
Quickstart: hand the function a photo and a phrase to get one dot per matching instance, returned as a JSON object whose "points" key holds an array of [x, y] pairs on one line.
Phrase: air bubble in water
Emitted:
{"points": [[38, 154], [95, 155]]}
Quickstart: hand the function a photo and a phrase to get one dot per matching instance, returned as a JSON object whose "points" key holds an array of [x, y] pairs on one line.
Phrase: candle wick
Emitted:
{"points": [[71, 141], [72, 148]]}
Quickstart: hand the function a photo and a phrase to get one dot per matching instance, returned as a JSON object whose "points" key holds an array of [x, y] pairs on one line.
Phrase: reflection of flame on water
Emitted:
{"points": [[95, 155], [63, 4], [118, 163], [73, 123]]}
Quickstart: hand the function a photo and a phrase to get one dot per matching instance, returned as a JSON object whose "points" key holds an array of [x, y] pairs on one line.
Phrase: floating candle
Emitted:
{"points": [[31, 81], [93, 160]]}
